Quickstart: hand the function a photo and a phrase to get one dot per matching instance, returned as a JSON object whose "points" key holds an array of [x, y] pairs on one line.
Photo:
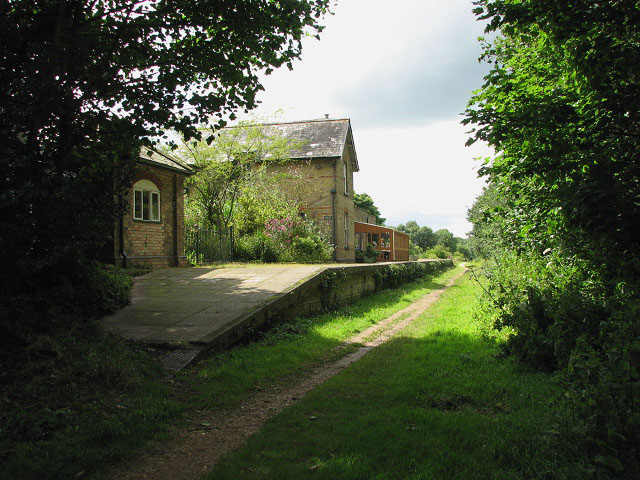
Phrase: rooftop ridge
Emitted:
{"points": [[313, 120]]}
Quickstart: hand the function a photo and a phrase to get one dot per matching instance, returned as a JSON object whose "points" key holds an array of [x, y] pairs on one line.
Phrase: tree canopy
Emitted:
{"points": [[84, 83], [159, 64], [228, 167], [561, 107], [423, 236]]}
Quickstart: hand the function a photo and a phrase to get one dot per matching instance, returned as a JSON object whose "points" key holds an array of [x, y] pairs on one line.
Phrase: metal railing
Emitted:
{"points": [[207, 246]]}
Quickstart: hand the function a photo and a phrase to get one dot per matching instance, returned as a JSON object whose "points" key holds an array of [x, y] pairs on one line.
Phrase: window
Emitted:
{"points": [[386, 240], [344, 171], [346, 230], [146, 201]]}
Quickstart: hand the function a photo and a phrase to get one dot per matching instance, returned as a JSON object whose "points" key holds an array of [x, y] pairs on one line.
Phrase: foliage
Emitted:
{"points": [[488, 215], [445, 238], [560, 213], [74, 290], [390, 276], [425, 243], [311, 248], [226, 167], [371, 251], [414, 250], [365, 202], [84, 84], [77, 398], [438, 251], [464, 248], [304, 241], [258, 247], [262, 199], [280, 230], [423, 237], [290, 239]]}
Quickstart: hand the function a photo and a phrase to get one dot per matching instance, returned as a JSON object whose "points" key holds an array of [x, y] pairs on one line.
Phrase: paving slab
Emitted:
{"points": [[176, 305]]}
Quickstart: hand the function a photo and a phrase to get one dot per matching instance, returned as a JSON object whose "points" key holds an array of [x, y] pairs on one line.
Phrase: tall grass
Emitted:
{"points": [[435, 402]]}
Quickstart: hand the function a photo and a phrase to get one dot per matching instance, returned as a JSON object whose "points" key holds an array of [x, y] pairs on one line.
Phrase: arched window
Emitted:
{"points": [[146, 201]]}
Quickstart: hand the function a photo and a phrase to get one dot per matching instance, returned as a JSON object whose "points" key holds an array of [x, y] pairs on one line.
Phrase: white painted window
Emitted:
{"points": [[146, 201], [346, 230], [344, 171]]}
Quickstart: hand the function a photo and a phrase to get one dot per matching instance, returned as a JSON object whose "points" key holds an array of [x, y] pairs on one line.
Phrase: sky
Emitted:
{"points": [[402, 72]]}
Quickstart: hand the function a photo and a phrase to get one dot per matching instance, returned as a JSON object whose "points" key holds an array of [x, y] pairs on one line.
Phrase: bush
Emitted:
{"points": [[298, 240], [371, 251], [309, 249], [256, 247], [73, 289], [415, 250], [439, 251], [390, 276], [559, 315]]}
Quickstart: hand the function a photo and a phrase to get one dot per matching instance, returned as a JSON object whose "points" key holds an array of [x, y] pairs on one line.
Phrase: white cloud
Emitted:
{"points": [[402, 72], [420, 173]]}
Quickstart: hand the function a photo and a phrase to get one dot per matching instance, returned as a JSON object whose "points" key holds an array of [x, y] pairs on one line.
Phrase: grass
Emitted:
{"points": [[435, 402], [80, 399], [288, 349], [74, 398]]}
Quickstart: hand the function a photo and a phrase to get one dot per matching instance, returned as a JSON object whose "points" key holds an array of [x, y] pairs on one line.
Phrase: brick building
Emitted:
{"points": [[152, 230], [319, 174], [324, 161]]}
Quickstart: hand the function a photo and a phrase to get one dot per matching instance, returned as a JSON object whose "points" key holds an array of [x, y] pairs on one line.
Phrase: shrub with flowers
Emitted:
{"points": [[298, 240], [280, 230]]}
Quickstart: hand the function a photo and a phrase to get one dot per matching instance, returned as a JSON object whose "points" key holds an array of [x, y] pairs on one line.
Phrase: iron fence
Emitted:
{"points": [[208, 246]]}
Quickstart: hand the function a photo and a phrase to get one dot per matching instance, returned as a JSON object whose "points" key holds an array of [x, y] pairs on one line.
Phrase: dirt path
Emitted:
{"points": [[214, 434]]}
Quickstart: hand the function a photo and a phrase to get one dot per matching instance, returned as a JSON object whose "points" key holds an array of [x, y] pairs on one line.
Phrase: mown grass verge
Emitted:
{"points": [[79, 399], [435, 402], [289, 349]]}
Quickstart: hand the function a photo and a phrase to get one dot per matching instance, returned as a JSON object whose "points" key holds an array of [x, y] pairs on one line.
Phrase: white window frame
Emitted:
{"points": [[344, 171], [146, 192]]}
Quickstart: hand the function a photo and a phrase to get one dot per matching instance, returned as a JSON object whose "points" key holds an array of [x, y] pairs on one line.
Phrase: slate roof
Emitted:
{"points": [[152, 157], [321, 138]]}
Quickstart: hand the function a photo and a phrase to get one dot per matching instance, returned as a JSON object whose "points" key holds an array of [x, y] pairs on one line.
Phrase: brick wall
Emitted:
{"points": [[345, 251], [364, 216], [151, 242], [311, 182]]}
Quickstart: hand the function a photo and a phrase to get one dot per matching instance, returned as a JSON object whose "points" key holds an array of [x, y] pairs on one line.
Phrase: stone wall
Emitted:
{"points": [[152, 242], [328, 289]]}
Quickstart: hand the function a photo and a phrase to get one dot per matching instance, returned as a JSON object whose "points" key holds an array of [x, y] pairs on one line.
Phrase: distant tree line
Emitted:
{"points": [[424, 242]]}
